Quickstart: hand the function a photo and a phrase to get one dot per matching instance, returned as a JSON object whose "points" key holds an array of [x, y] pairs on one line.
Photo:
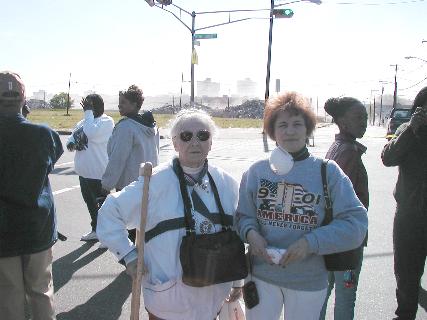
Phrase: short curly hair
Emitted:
{"points": [[291, 102], [133, 94]]}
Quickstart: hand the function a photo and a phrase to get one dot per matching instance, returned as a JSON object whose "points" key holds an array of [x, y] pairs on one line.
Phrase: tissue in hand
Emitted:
{"points": [[275, 254]]}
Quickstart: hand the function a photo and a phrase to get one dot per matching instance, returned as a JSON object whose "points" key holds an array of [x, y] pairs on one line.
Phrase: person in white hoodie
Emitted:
{"points": [[135, 139], [166, 296], [89, 139]]}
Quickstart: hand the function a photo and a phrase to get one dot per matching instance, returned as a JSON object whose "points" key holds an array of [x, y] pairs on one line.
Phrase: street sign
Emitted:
{"points": [[205, 36], [196, 43]]}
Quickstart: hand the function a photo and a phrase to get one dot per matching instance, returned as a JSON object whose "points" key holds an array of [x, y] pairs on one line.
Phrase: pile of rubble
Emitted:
{"points": [[253, 109]]}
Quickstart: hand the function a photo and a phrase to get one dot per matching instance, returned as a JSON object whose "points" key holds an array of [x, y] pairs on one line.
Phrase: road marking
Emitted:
{"points": [[65, 190]]}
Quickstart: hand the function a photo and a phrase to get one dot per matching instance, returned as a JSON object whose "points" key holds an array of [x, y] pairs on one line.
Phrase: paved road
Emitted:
{"points": [[90, 284]]}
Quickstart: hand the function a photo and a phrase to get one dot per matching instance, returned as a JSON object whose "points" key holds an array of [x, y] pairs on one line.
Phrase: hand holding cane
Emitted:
{"points": [[145, 170]]}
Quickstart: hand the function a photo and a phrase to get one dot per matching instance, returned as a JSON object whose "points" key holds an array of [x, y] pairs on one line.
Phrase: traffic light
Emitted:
{"points": [[283, 13]]}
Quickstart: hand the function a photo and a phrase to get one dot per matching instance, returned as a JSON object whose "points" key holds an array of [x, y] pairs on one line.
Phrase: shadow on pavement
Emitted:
{"points": [[63, 171], [422, 298], [104, 305], [64, 267]]}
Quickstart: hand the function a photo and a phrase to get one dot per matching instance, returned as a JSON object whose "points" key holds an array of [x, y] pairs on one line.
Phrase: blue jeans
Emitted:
{"points": [[345, 298]]}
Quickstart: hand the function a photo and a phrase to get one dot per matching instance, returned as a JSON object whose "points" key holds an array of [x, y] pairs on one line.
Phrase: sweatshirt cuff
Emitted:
{"points": [[131, 256], [245, 232], [313, 244]]}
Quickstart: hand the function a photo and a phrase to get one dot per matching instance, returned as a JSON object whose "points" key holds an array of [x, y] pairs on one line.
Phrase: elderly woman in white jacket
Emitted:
{"points": [[165, 295]]}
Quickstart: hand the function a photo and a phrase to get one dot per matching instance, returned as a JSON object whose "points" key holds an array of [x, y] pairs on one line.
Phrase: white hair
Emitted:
{"points": [[185, 115]]}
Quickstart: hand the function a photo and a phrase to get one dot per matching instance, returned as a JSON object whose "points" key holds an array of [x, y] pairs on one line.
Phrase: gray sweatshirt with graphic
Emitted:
{"points": [[284, 208]]}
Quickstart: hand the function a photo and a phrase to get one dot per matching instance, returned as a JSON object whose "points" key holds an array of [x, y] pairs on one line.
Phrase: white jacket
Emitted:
{"points": [[165, 295], [91, 162]]}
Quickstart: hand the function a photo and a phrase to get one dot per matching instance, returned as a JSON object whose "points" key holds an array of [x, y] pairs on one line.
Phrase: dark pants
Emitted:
{"points": [[91, 189], [410, 250]]}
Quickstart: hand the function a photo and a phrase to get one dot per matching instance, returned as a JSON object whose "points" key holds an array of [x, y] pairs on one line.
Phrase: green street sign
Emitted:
{"points": [[205, 36]]}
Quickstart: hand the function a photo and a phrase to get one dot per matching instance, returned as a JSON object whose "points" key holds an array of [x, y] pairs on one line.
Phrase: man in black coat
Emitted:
{"points": [[409, 151], [27, 212]]}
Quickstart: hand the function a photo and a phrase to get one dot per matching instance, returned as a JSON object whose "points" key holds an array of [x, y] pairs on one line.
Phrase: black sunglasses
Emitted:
{"points": [[202, 135]]}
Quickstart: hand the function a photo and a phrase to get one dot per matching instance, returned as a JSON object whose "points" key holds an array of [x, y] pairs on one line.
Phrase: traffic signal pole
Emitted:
{"points": [[193, 24], [270, 41]]}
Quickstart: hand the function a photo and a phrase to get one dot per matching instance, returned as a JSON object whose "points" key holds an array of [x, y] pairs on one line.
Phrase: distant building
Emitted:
{"points": [[208, 88], [88, 92], [40, 95], [246, 88]]}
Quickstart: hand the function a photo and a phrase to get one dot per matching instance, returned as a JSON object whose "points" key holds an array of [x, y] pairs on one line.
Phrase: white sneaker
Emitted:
{"points": [[91, 236]]}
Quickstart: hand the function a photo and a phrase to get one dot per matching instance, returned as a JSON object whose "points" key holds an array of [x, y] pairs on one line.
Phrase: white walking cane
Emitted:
{"points": [[145, 170]]}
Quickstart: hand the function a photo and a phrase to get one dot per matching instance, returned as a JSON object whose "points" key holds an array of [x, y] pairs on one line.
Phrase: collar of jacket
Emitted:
{"points": [[301, 154], [345, 137], [17, 117]]}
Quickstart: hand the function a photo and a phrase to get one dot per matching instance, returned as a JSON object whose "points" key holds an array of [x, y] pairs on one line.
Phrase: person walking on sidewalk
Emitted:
{"points": [[409, 151], [27, 212], [351, 117], [89, 139], [135, 139]]}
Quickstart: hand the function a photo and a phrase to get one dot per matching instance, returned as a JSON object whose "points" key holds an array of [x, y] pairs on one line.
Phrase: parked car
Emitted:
{"points": [[397, 117]]}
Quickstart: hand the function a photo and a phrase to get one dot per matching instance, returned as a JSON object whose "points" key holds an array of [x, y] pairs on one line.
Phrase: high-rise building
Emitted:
{"points": [[246, 88], [208, 88]]}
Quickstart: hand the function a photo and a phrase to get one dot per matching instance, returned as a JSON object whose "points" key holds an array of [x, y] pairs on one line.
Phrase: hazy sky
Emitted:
{"points": [[341, 47]]}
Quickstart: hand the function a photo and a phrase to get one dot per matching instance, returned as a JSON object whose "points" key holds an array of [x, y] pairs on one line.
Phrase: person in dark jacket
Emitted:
{"points": [[409, 151], [27, 212], [351, 117]]}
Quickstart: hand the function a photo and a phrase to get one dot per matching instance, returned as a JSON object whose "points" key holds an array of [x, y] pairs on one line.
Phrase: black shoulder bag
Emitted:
{"points": [[341, 261], [208, 259]]}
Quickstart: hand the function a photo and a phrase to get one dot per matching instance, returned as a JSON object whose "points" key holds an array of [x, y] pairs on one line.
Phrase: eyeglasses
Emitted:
{"points": [[202, 135]]}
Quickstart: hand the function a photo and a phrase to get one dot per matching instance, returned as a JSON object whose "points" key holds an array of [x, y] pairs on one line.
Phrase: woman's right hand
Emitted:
{"points": [[257, 245]]}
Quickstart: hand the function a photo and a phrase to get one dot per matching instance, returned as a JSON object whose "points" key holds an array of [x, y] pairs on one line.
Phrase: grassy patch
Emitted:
{"points": [[58, 120]]}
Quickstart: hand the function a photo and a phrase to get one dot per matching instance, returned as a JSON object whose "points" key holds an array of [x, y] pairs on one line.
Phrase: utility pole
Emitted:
{"points": [[317, 106], [381, 106], [373, 121], [68, 94], [395, 85]]}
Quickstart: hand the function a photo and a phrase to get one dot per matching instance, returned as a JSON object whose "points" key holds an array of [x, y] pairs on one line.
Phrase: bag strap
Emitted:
{"points": [[178, 223], [189, 221], [328, 202], [218, 202]]}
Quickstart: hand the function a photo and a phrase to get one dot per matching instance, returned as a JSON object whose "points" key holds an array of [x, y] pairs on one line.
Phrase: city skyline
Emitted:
{"points": [[331, 49]]}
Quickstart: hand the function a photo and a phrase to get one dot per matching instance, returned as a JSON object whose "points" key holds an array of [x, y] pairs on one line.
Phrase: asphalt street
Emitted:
{"points": [[90, 284]]}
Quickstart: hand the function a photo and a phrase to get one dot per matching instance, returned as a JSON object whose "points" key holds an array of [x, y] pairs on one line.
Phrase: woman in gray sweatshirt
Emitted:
{"points": [[280, 214]]}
